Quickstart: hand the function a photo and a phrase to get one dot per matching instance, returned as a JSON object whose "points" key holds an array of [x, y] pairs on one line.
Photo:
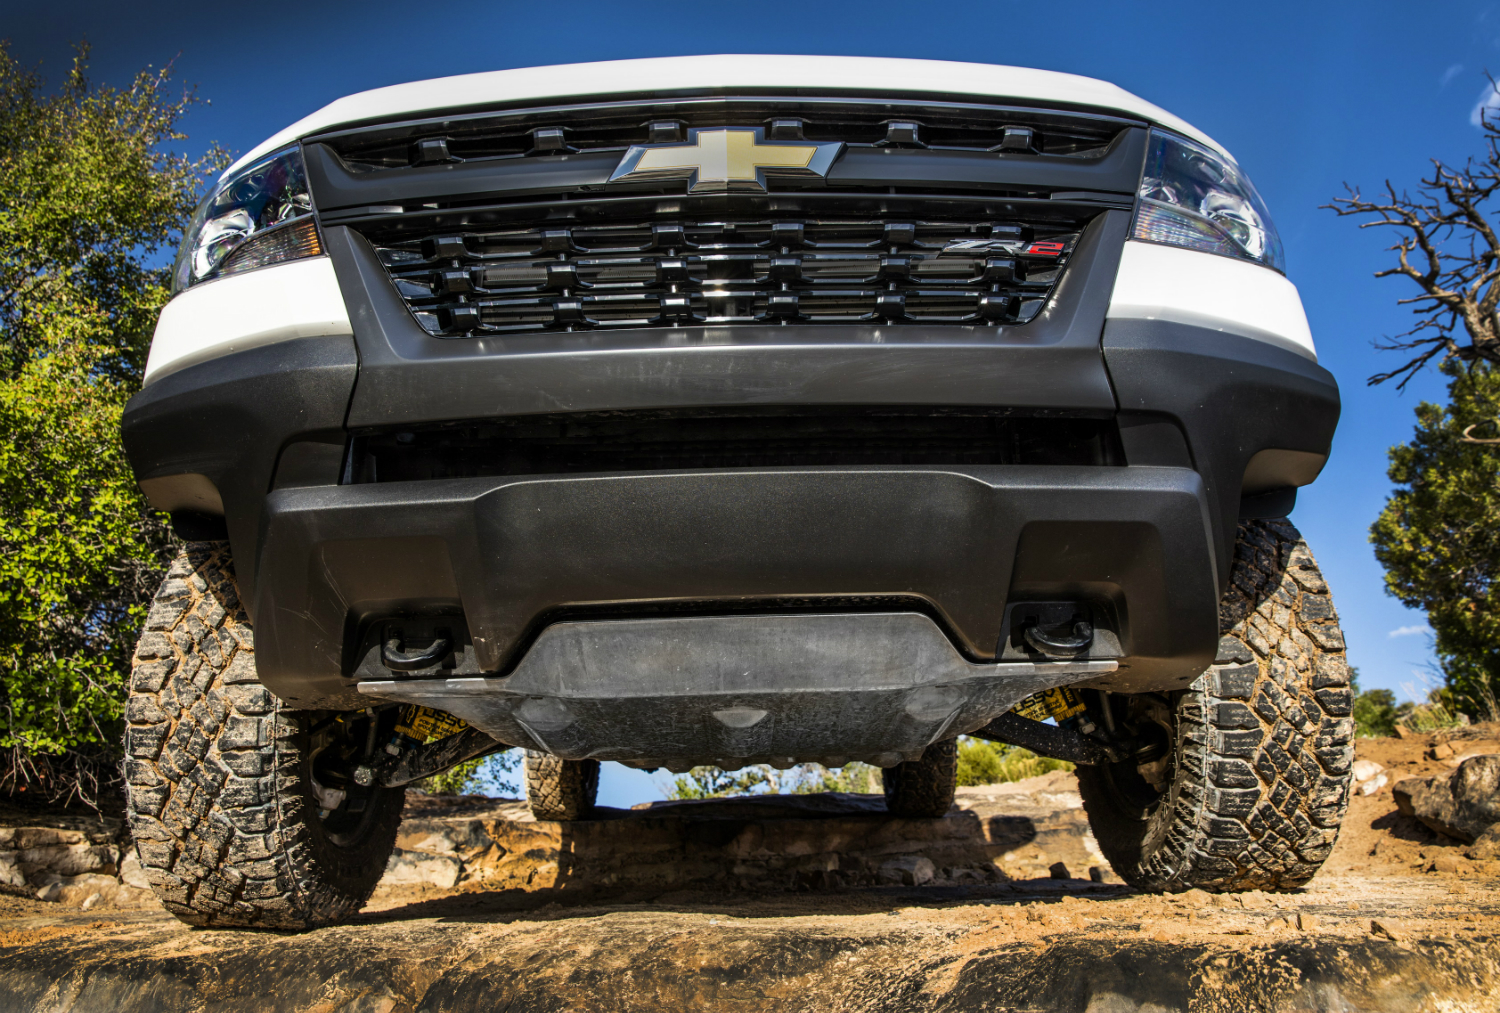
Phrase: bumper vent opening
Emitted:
{"points": [[661, 440]]}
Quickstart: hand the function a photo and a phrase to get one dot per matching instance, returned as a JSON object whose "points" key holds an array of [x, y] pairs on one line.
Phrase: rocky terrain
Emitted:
{"points": [[797, 903]]}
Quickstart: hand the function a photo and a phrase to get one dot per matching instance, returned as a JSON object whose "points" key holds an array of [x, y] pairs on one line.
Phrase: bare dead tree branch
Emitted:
{"points": [[1447, 245]]}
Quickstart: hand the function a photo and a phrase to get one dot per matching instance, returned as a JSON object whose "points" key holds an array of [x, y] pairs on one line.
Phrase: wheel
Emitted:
{"points": [[558, 789], [1241, 781], [238, 814], [923, 789]]}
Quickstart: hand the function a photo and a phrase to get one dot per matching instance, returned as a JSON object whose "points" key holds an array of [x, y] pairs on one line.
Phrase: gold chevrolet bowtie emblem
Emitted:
{"points": [[732, 158]]}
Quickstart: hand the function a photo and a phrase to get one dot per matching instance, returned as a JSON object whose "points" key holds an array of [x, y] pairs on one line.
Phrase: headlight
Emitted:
{"points": [[261, 215], [1192, 197]]}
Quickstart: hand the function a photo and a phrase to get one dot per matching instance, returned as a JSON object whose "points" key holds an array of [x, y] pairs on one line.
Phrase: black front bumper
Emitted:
{"points": [[322, 562], [509, 555]]}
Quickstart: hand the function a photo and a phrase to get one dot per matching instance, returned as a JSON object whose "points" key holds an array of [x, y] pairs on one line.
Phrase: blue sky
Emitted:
{"points": [[1307, 96]]}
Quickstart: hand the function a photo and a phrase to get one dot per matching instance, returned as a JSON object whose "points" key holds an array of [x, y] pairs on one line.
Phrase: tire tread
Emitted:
{"points": [[214, 794]]}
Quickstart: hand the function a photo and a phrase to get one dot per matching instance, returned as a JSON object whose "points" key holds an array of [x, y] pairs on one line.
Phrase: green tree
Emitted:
{"points": [[1439, 534], [91, 204], [1374, 709], [981, 761], [484, 775]]}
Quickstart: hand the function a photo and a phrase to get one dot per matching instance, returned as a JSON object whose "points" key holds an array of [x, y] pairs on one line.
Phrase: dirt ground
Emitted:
{"points": [[1400, 919]]}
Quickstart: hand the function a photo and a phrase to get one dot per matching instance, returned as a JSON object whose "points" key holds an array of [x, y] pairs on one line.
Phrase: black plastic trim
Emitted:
{"points": [[228, 418], [1232, 397]]}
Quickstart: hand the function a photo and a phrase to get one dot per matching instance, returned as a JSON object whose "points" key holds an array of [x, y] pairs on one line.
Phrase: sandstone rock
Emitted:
{"points": [[909, 870], [1441, 751], [1364, 770], [1373, 785], [793, 842], [50, 892], [10, 870], [1059, 870], [1487, 845], [91, 900], [75, 891], [1403, 732], [131, 873], [413, 868], [1389, 928], [1308, 922], [1461, 805]]}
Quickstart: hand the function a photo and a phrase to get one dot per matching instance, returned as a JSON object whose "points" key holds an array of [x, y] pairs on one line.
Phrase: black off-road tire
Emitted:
{"points": [[219, 777], [558, 789], [923, 789], [1262, 745]]}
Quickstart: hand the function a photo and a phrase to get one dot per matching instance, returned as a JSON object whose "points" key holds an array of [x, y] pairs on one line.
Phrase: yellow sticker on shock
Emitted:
{"points": [[1059, 704], [425, 724]]}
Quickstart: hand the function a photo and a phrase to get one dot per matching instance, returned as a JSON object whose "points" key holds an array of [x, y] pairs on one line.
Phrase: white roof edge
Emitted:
{"points": [[634, 77]]}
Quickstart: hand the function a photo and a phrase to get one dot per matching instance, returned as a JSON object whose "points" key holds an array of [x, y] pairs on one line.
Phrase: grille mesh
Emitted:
{"points": [[728, 270]]}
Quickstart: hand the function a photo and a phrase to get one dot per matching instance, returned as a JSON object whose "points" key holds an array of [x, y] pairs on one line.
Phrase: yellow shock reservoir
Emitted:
{"points": [[424, 724], [1059, 704]]}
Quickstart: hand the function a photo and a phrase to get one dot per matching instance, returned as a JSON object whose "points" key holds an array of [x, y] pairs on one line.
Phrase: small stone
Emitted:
{"points": [[1197, 898], [1403, 732], [1446, 864], [415, 868], [1277, 924], [1487, 845], [131, 872], [1059, 871], [1096, 874], [50, 892], [910, 870], [1462, 804], [1388, 928], [91, 900], [1366, 769], [1373, 785], [1441, 751], [1308, 922], [1254, 900]]}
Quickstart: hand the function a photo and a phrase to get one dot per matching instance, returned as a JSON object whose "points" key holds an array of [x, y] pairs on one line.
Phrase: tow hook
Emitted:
{"points": [[398, 660], [1061, 645]]}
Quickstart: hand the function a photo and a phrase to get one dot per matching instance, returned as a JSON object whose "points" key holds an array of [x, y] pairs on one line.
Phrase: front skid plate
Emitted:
{"points": [[734, 690]]}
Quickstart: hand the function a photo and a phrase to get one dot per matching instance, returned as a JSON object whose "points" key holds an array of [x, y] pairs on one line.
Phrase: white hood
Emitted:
{"points": [[833, 74]]}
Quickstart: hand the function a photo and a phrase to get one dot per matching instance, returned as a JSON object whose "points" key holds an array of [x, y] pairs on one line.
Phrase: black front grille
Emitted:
{"points": [[934, 213], [726, 270], [664, 440]]}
